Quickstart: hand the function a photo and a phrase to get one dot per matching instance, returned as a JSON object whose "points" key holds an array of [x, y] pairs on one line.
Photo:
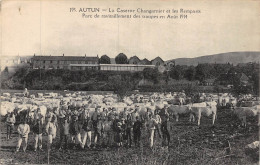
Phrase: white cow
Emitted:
{"points": [[244, 112], [176, 110], [206, 111]]}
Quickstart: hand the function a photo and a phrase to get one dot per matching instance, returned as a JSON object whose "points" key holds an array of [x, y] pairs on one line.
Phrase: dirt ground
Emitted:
{"points": [[190, 144]]}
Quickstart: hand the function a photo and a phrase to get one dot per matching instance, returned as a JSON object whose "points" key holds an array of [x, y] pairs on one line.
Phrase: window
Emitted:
{"points": [[44, 61], [51, 61]]}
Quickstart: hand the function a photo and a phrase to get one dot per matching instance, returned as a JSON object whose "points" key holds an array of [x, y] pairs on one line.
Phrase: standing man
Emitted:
{"points": [[64, 132], [159, 121], [151, 127], [38, 130], [107, 134], [10, 121], [75, 131], [129, 126], [23, 131], [137, 131], [98, 129], [165, 126], [51, 130], [87, 127], [95, 117]]}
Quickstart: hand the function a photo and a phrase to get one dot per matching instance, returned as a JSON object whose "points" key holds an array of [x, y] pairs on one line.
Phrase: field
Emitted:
{"points": [[190, 144]]}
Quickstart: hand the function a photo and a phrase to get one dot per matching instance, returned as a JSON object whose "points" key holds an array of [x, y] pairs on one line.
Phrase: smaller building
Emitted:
{"points": [[134, 60], [145, 62], [157, 61], [243, 79]]}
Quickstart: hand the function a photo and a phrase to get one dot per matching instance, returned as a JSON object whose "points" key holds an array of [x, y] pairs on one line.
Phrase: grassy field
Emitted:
{"points": [[189, 145]]}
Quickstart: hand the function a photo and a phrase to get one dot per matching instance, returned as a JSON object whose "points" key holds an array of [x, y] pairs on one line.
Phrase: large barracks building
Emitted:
{"points": [[92, 63]]}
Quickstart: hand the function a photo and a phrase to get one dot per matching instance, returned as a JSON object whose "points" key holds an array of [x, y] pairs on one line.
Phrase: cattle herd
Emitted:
{"points": [[176, 103], [83, 105]]}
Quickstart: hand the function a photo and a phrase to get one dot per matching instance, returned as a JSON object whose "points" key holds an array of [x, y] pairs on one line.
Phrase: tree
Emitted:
{"points": [[121, 59], [190, 73], [201, 72], [135, 78], [120, 85], [104, 60], [177, 72], [152, 74], [256, 83]]}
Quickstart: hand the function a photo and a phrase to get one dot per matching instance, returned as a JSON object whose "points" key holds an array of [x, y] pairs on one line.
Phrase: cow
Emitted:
{"points": [[177, 110], [204, 110], [243, 112]]}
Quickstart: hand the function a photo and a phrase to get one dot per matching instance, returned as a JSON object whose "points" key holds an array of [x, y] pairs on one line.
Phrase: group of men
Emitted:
{"points": [[78, 128]]}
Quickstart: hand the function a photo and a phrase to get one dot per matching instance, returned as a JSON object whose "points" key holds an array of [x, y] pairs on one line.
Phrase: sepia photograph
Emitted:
{"points": [[131, 82]]}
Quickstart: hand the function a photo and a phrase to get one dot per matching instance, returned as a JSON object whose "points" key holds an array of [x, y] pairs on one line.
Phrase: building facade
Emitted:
{"points": [[134, 60], [157, 62], [124, 67], [64, 62]]}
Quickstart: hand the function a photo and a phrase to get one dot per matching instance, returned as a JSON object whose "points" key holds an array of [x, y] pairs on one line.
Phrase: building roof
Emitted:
{"points": [[145, 61], [243, 77], [134, 57], [157, 58], [65, 58]]}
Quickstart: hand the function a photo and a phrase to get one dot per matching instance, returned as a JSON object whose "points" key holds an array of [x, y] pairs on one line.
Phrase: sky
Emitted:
{"points": [[49, 28]]}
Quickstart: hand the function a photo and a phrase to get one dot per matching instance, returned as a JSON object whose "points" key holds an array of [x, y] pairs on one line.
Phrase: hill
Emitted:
{"points": [[231, 57]]}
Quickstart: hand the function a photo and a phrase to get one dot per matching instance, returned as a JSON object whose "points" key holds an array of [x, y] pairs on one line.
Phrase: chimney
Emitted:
{"points": [[63, 55], [34, 54], [85, 55]]}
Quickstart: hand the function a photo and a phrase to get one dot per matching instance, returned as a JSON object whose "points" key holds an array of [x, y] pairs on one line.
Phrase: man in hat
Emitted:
{"points": [[64, 132], [51, 130], [75, 131], [165, 126], [87, 127], [123, 133], [23, 131], [98, 129], [137, 131], [158, 126], [95, 117], [107, 134], [38, 130], [114, 126], [151, 127], [10, 121], [129, 127]]}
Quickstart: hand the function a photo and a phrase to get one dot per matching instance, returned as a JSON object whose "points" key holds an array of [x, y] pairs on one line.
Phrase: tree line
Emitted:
{"points": [[61, 79]]}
